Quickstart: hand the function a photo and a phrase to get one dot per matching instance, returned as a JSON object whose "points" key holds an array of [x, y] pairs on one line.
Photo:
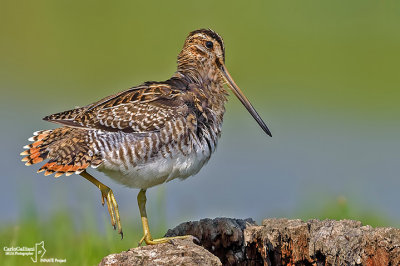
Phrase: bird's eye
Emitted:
{"points": [[209, 44]]}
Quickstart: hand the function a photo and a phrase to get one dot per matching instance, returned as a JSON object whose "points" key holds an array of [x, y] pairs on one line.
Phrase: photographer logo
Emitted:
{"points": [[36, 253]]}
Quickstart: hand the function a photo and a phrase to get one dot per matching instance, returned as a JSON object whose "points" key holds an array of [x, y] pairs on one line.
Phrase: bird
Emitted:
{"points": [[149, 134]]}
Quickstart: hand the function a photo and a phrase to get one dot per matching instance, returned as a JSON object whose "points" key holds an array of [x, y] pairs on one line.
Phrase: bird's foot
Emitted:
{"points": [[149, 241], [107, 195]]}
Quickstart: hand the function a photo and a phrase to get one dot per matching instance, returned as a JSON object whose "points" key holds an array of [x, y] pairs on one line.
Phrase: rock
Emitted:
{"points": [[275, 242], [176, 252], [221, 236]]}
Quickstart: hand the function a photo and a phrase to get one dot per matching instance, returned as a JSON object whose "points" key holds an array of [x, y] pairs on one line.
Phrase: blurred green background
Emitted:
{"points": [[322, 74]]}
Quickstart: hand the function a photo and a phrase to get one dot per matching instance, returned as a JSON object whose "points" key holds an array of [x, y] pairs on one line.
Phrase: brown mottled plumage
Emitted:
{"points": [[148, 134]]}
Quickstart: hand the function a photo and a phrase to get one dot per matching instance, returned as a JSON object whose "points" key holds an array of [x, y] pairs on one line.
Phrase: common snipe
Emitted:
{"points": [[149, 134]]}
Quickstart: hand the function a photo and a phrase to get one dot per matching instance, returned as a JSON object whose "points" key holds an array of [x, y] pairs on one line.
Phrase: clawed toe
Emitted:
{"points": [[161, 240], [107, 195]]}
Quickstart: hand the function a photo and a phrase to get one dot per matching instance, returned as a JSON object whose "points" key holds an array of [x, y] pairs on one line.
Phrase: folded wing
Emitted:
{"points": [[141, 109]]}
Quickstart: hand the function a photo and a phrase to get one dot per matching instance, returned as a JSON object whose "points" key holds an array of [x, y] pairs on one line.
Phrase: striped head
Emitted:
{"points": [[203, 46]]}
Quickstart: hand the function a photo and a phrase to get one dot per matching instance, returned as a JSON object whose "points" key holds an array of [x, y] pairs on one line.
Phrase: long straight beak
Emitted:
{"points": [[236, 90]]}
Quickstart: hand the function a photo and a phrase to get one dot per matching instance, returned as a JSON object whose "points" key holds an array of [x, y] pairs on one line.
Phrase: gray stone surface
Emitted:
{"points": [[177, 252]]}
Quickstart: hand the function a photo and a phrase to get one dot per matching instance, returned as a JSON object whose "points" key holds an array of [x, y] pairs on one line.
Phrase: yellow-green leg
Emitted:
{"points": [[107, 196], [141, 198]]}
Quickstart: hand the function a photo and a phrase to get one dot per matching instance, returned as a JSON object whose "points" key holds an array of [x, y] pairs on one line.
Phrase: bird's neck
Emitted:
{"points": [[204, 80], [197, 70], [208, 96], [199, 73], [205, 85]]}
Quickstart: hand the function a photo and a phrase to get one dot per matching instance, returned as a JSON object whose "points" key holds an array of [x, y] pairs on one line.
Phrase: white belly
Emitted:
{"points": [[157, 170]]}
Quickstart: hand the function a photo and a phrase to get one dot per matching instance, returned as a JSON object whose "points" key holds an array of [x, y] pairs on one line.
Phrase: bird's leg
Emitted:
{"points": [[141, 198], [107, 196]]}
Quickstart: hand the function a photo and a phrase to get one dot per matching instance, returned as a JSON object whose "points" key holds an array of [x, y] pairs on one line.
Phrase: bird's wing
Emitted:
{"points": [[141, 109]]}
